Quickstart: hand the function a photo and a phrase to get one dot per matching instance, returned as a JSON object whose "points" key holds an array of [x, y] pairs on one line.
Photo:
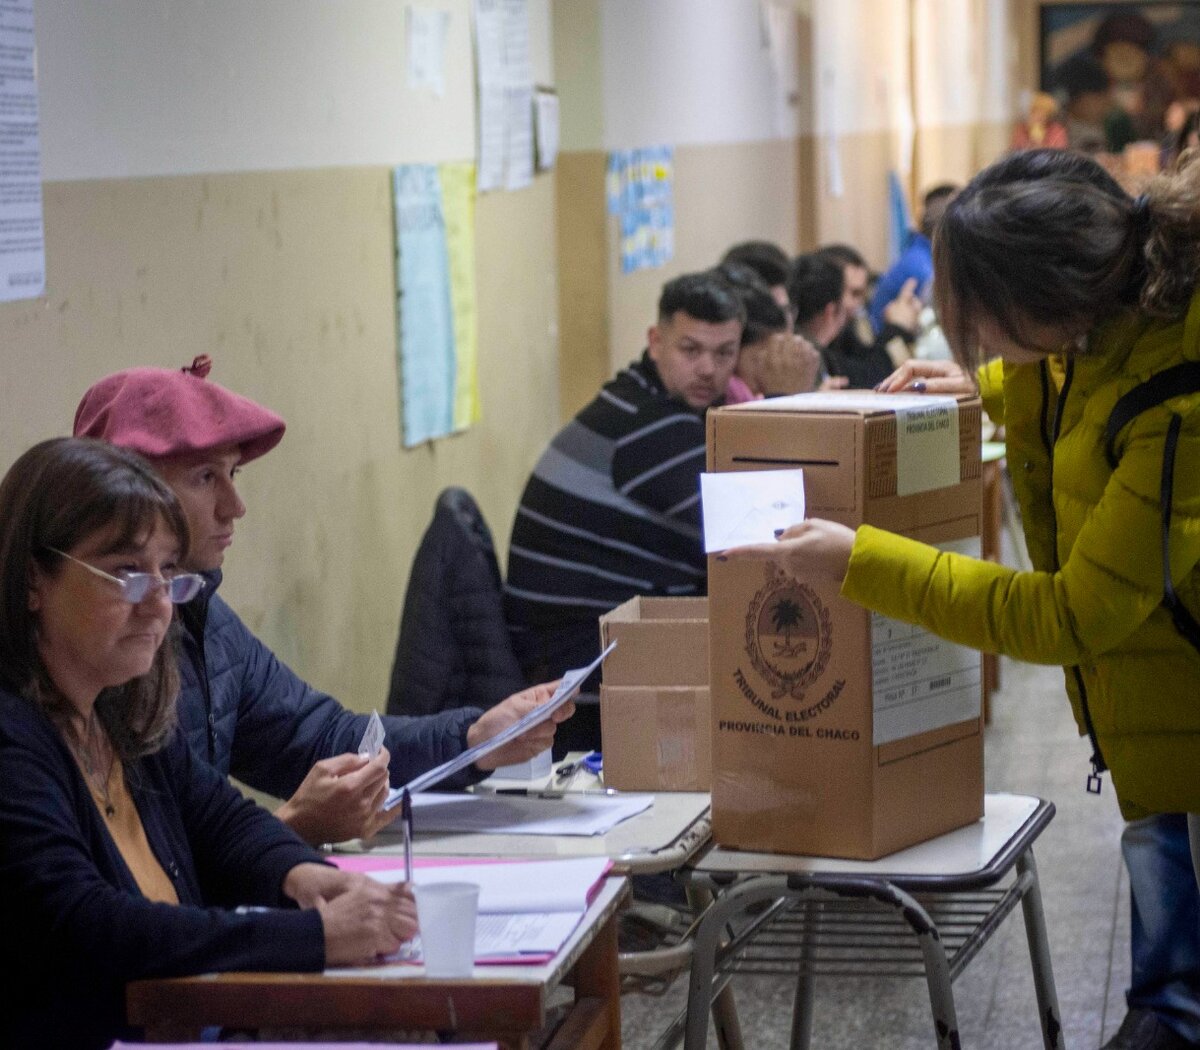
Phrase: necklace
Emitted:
{"points": [[91, 771]]}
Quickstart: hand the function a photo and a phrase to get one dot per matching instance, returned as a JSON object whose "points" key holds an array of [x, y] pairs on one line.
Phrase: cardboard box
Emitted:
{"points": [[837, 732], [656, 738], [661, 641], [655, 715]]}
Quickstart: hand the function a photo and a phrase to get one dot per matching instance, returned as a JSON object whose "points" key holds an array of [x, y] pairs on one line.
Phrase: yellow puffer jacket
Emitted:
{"points": [[1093, 601]]}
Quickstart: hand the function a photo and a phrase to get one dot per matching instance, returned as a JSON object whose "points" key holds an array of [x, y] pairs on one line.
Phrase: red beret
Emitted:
{"points": [[159, 412]]}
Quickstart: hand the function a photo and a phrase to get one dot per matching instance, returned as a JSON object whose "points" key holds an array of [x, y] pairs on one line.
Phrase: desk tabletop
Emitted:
{"points": [[663, 838], [977, 854], [492, 998]]}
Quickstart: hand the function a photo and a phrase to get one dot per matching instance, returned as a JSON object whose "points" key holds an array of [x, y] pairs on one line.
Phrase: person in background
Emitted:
{"points": [[916, 260], [1082, 294], [770, 262], [612, 508], [1089, 106], [241, 709], [122, 854], [817, 288], [772, 360], [857, 353], [1041, 126]]}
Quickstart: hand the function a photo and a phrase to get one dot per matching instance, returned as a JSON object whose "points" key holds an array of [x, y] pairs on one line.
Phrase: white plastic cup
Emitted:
{"points": [[446, 912]]}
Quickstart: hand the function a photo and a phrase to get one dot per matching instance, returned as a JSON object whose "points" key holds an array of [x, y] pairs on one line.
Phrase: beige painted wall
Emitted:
{"points": [[287, 279], [723, 194]]}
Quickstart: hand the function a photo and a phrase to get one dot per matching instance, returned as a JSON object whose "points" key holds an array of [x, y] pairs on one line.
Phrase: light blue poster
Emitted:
{"points": [[640, 189], [423, 304]]}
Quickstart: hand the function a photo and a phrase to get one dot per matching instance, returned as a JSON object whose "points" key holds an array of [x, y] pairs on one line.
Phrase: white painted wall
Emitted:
{"points": [[861, 51], [131, 88], [695, 72]]}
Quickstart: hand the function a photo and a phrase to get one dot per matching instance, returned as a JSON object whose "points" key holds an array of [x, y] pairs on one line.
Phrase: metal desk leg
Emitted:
{"points": [[1039, 955], [802, 1006], [937, 968], [709, 939], [724, 1008]]}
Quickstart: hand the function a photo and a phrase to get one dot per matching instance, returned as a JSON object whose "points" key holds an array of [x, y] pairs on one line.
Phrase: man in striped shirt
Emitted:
{"points": [[612, 509]]}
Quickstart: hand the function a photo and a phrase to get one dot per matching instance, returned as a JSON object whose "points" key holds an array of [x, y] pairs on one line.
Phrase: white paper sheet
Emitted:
{"points": [[532, 887], [504, 85], [743, 507], [572, 813], [567, 688], [546, 111], [427, 28], [22, 232]]}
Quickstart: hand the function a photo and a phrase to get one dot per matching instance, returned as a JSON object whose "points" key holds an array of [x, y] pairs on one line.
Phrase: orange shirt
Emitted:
{"points": [[124, 823]]}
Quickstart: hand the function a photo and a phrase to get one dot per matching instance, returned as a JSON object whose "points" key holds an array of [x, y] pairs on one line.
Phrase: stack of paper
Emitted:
{"points": [[527, 909], [484, 814]]}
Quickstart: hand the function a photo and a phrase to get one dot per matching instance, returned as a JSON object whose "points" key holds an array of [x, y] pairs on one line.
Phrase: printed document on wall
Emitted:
{"points": [[426, 314], [427, 31], [504, 86], [22, 233]]}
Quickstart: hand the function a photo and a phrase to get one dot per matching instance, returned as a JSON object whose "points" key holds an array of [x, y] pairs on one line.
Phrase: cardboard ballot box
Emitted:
{"points": [[655, 716], [838, 732]]}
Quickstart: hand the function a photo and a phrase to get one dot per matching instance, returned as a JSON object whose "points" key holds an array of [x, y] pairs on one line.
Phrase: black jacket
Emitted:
{"points": [[76, 925]]}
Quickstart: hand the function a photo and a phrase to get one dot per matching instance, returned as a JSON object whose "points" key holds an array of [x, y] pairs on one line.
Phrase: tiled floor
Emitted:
{"points": [[1031, 747]]}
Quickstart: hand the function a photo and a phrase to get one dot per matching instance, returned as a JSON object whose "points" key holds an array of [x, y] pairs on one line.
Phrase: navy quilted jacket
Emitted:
{"points": [[248, 714]]}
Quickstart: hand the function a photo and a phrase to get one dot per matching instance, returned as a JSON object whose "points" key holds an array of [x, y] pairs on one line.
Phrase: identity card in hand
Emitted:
{"points": [[372, 739], [567, 688]]}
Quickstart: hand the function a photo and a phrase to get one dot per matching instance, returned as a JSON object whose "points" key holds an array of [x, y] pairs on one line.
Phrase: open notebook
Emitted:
{"points": [[527, 909]]}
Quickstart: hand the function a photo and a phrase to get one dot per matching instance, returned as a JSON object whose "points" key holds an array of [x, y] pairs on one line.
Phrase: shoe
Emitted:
{"points": [[1142, 1030]]}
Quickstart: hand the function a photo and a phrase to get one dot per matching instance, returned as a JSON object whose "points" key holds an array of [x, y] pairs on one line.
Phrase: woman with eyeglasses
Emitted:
{"points": [[120, 854], [1076, 295]]}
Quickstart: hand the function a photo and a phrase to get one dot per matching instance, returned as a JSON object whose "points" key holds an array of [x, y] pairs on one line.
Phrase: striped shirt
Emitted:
{"points": [[612, 508]]}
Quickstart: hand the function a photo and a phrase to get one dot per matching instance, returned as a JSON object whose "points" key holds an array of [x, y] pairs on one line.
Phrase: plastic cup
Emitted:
{"points": [[446, 912]]}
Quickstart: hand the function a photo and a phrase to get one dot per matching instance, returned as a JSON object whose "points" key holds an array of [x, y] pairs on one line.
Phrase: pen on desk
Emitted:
{"points": [[553, 792], [406, 820]]}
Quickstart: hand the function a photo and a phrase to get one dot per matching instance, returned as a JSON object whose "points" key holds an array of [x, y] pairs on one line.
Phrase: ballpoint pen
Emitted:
{"points": [[406, 821]]}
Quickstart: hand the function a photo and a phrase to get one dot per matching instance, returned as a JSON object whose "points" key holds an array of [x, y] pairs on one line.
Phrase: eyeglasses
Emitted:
{"points": [[137, 586]]}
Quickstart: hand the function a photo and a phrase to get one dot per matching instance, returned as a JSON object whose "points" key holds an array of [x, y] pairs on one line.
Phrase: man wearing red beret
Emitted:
{"points": [[242, 709]]}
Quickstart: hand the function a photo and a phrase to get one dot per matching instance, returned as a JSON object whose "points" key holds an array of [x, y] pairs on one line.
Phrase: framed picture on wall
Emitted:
{"points": [[1122, 73]]}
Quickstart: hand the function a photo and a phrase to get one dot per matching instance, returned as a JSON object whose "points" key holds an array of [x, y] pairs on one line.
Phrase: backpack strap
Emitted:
{"points": [[1171, 382], [1185, 622]]}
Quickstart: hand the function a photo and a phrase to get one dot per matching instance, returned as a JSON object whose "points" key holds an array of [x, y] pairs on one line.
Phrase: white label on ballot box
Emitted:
{"points": [[920, 681]]}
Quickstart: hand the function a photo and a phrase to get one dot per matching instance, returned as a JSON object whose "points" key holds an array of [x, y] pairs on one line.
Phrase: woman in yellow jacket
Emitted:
{"points": [[1081, 294]]}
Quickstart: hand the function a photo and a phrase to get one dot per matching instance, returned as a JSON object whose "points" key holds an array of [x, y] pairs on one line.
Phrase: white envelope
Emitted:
{"points": [[744, 507]]}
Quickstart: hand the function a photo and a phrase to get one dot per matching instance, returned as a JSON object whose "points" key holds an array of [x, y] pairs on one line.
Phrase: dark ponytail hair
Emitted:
{"points": [[1048, 237]]}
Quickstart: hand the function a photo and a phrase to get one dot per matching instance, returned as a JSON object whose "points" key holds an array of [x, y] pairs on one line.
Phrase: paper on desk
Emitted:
{"points": [[744, 507], [518, 887], [575, 813], [527, 909], [567, 688]]}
